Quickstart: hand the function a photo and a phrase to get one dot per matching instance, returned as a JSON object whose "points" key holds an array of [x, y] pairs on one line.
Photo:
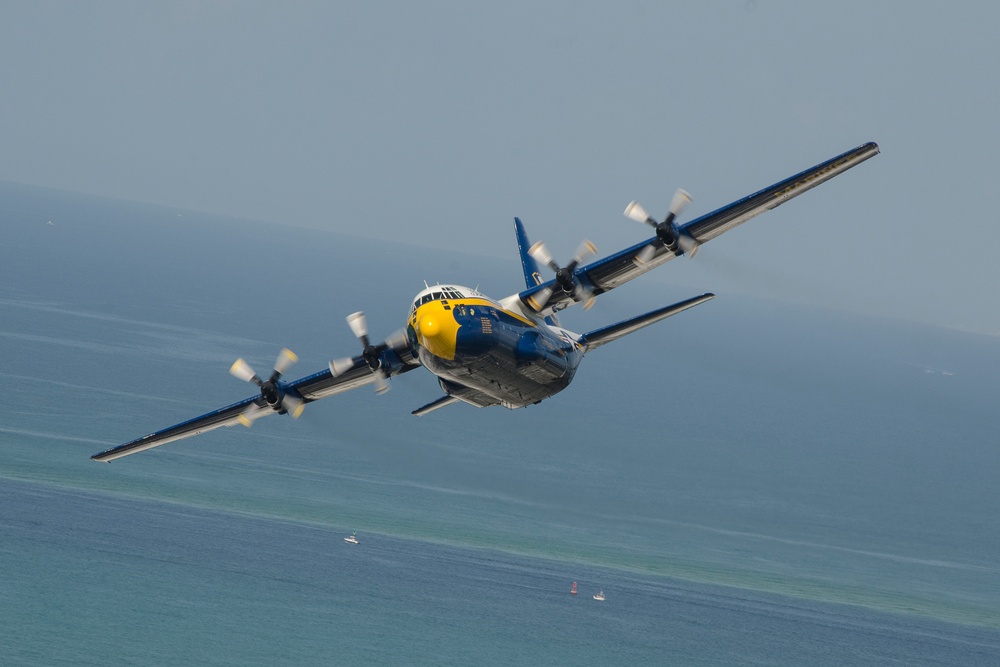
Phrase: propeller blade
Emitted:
{"points": [[583, 294], [540, 298], [585, 250], [358, 324], [688, 244], [293, 405], [340, 366], [381, 383], [541, 254], [252, 414], [371, 354], [242, 370], [680, 201], [398, 340], [645, 254], [636, 212], [284, 361], [271, 391]]}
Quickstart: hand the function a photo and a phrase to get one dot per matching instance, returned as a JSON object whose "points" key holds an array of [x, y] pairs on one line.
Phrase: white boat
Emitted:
{"points": [[352, 539], [599, 597]]}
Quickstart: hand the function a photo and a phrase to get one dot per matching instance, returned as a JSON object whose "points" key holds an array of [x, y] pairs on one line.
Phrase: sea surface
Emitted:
{"points": [[748, 483]]}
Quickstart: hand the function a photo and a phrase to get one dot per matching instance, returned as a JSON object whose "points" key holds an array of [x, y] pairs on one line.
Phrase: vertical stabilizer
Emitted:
{"points": [[532, 276]]}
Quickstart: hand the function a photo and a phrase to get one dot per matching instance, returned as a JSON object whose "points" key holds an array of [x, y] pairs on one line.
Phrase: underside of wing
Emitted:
{"points": [[305, 390], [610, 272], [246, 411], [357, 373]]}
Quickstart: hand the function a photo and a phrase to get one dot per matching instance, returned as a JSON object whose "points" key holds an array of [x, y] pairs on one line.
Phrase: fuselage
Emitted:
{"points": [[486, 354]]}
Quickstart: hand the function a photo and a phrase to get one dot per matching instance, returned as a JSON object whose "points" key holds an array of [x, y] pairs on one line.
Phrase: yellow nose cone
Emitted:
{"points": [[436, 329], [429, 327]]}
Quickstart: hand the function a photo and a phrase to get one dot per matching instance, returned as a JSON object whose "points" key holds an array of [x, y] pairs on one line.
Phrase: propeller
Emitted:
{"points": [[565, 276], [668, 234], [270, 389], [372, 354]]}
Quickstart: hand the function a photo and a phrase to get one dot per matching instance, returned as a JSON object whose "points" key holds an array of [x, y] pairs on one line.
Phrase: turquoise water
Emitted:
{"points": [[95, 579], [748, 483]]}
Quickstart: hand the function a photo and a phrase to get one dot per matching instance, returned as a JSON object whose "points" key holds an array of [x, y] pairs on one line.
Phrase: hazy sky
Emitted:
{"points": [[436, 123]]}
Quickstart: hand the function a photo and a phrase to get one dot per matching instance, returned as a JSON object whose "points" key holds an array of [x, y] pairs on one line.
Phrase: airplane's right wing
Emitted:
{"points": [[290, 398]]}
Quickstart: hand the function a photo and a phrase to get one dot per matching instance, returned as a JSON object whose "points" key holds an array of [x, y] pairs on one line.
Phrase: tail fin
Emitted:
{"points": [[532, 276]]}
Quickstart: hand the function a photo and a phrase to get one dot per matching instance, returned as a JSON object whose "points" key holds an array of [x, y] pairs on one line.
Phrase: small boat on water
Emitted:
{"points": [[599, 597], [572, 591], [352, 538]]}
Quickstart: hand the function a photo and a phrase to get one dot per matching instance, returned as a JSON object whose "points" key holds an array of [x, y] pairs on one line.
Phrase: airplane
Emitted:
{"points": [[512, 352]]}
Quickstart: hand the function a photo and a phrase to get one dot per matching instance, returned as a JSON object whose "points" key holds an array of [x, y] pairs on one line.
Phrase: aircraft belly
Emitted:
{"points": [[503, 362]]}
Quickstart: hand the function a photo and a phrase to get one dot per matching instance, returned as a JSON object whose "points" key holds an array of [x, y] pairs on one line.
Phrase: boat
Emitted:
{"points": [[572, 591], [352, 538], [599, 597]]}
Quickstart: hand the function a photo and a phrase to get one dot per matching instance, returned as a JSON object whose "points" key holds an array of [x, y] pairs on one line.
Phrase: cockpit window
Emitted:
{"points": [[445, 293]]}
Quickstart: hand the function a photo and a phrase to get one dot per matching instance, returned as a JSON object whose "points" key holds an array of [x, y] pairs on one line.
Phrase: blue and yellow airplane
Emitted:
{"points": [[510, 352]]}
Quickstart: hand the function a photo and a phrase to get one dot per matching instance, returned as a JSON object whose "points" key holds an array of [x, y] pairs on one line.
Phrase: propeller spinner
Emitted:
{"points": [[371, 354], [668, 234], [270, 389], [566, 278]]}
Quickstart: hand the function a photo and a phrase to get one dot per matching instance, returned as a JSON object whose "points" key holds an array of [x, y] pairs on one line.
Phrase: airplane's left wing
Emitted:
{"points": [[610, 272], [290, 395]]}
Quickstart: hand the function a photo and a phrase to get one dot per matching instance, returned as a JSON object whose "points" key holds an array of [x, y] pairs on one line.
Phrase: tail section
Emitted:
{"points": [[532, 276]]}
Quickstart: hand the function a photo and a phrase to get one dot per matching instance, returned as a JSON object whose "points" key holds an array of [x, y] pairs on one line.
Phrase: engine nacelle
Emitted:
{"points": [[668, 235]]}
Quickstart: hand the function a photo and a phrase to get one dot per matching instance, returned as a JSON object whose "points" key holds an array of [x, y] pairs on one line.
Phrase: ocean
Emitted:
{"points": [[748, 483]]}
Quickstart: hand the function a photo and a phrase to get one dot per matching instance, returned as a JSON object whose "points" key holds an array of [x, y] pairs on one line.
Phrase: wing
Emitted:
{"points": [[606, 274], [250, 409], [304, 390]]}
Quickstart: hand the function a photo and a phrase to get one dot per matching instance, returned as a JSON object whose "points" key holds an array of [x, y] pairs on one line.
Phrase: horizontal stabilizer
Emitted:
{"points": [[599, 337], [435, 405]]}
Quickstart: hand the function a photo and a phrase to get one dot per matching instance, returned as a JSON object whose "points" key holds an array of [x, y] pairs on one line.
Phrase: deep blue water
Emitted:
{"points": [[749, 483]]}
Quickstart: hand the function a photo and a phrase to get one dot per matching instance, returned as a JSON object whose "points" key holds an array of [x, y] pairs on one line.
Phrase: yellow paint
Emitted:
{"points": [[436, 329]]}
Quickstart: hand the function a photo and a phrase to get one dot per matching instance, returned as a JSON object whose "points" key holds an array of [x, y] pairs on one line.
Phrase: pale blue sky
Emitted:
{"points": [[436, 123]]}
